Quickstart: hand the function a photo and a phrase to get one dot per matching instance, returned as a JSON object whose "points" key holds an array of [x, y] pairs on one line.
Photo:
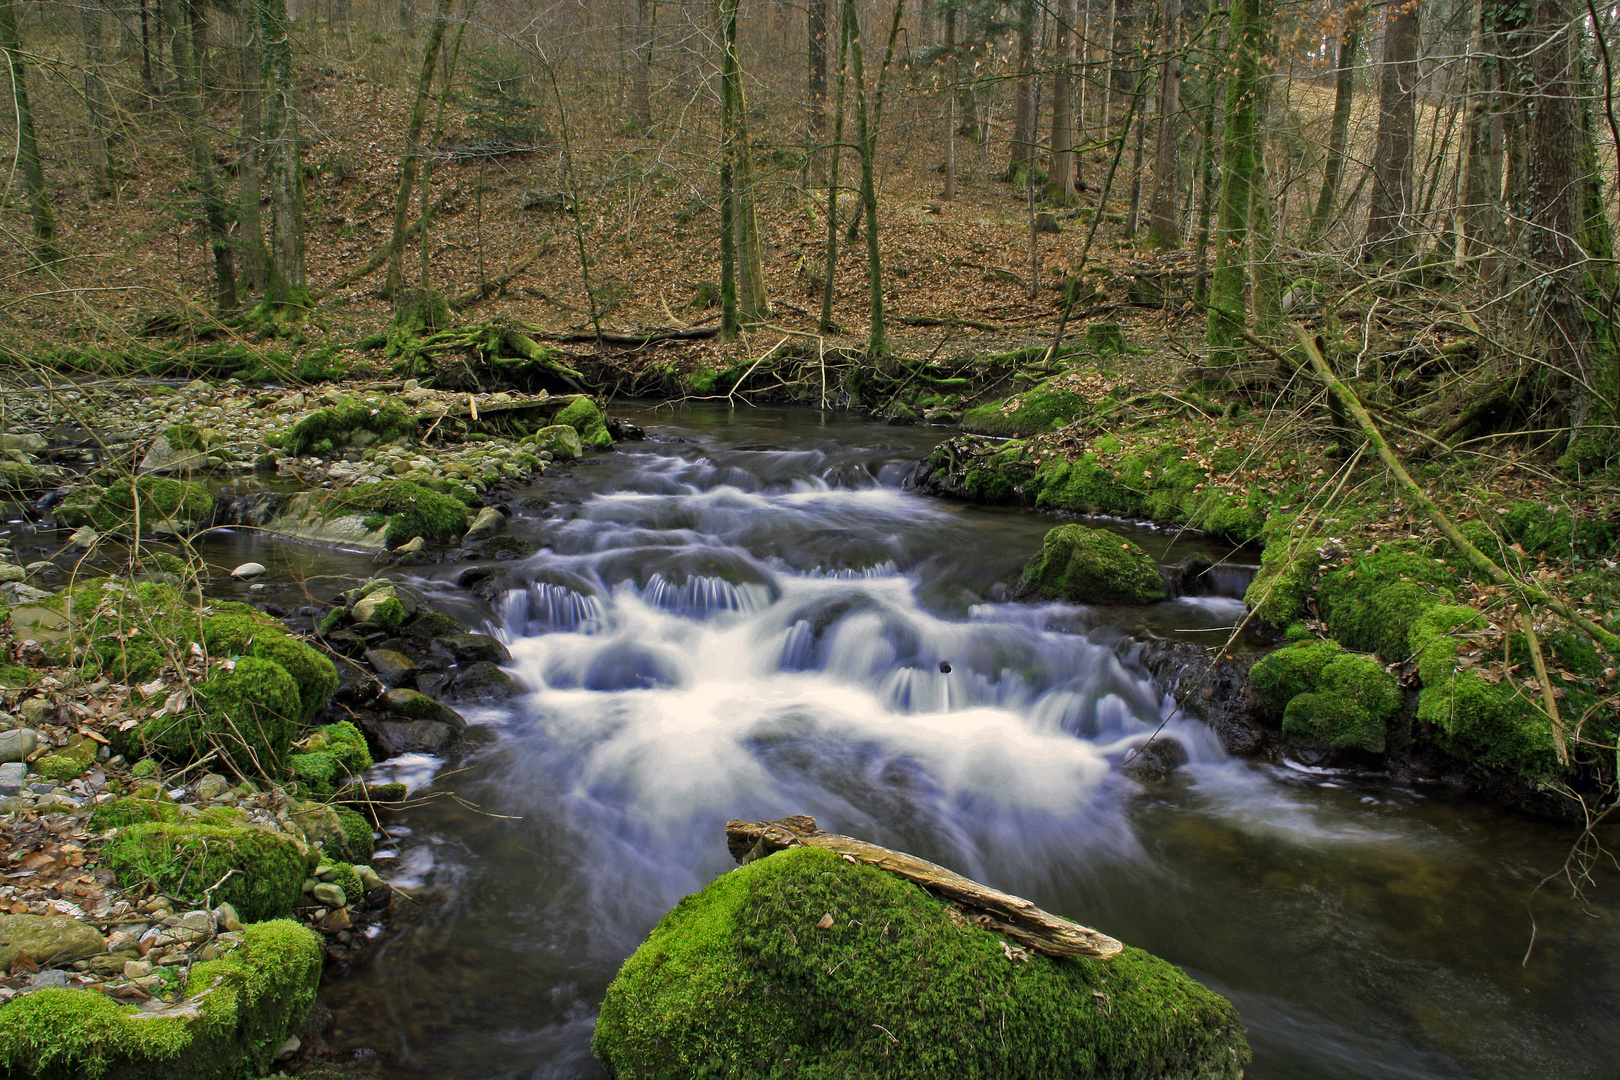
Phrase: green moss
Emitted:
{"points": [[737, 981], [1350, 705], [1281, 676], [163, 505], [60, 767], [1035, 412], [1091, 566], [238, 634], [1371, 602], [247, 712], [343, 875], [412, 510], [1495, 724], [1288, 568], [130, 633], [331, 757], [1553, 530], [14, 677], [988, 486], [359, 844], [132, 811], [250, 1001], [583, 416], [1085, 486], [326, 429], [184, 861]]}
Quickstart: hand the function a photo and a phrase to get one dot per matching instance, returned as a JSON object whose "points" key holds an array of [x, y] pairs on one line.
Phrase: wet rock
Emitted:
{"points": [[393, 668], [1155, 760], [165, 457], [1092, 566], [47, 939], [211, 787], [397, 736], [470, 648], [561, 441], [484, 683], [11, 572], [414, 705], [488, 522], [329, 894], [1213, 686], [17, 743]]}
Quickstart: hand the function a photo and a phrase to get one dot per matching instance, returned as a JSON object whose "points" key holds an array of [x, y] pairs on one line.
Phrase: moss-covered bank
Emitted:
{"points": [[238, 1012], [739, 980]]}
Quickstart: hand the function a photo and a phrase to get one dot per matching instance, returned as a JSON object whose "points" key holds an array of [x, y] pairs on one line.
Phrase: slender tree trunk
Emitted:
{"points": [[1265, 276], [1060, 177], [1138, 102], [407, 17], [950, 108], [253, 255], [1206, 173], [1339, 135], [147, 85], [1388, 218], [816, 139], [1024, 118], [28, 163], [216, 220], [1480, 212], [410, 162], [835, 155], [97, 103], [641, 77], [750, 271], [868, 121], [424, 212], [1164, 224], [286, 285], [1227, 309]]}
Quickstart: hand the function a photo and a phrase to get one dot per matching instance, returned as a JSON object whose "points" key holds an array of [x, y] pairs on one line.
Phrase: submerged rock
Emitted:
{"points": [[1155, 760], [1092, 566], [804, 964]]}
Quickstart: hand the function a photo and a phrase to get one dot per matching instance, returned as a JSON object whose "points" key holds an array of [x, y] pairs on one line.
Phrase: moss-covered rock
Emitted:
{"points": [[739, 981], [233, 633], [1370, 601], [330, 758], [560, 439], [239, 1012], [1279, 677], [411, 510], [1092, 566], [132, 810], [351, 423], [185, 861], [583, 416], [1045, 408], [247, 711], [1350, 705], [154, 505]]}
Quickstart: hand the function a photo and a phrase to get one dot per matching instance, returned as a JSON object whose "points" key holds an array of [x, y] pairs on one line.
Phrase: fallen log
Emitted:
{"points": [[1011, 915]]}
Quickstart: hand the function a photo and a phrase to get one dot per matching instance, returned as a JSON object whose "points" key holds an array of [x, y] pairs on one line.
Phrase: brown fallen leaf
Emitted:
{"points": [[826, 922]]}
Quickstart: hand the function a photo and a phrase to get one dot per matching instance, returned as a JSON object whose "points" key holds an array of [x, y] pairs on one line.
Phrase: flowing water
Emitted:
{"points": [[746, 615]]}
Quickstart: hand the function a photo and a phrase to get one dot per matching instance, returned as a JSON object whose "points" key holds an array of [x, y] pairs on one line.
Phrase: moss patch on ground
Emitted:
{"points": [[1092, 566], [155, 504], [246, 1005], [1045, 408], [738, 981], [326, 430], [330, 758], [185, 861]]}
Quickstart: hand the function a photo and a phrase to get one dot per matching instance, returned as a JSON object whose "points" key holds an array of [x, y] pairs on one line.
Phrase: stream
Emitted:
{"points": [[745, 616]]}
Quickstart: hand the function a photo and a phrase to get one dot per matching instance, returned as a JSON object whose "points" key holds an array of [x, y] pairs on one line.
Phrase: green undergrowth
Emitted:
{"points": [[1045, 408], [258, 872], [739, 981], [247, 1003]]}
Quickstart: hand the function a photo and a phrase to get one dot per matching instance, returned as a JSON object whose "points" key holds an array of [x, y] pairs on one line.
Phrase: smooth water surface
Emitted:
{"points": [[745, 615]]}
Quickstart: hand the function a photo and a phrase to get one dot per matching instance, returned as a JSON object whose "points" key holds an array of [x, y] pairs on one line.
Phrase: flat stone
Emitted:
{"points": [[12, 775], [469, 648], [212, 786], [28, 442], [329, 894], [248, 570], [484, 683], [397, 736], [136, 969], [165, 457], [39, 622], [18, 592], [47, 939], [12, 572], [16, 745], [393, 668], [488, 522], [413, 705]]}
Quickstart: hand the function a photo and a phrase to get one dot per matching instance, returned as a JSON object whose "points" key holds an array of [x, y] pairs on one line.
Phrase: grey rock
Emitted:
{"points": [[470, 648], [413, 705], [484, 683], [212, 786], [37, 710], [12, 572], [136, 969], [165, 457], [1155, 760], [48, 979], [16, 745], [397, 736], [28, 442], [47, 939], [329, 894], [16, 593], [248, 570], [488, 522], [393, 668], [12, 774]]}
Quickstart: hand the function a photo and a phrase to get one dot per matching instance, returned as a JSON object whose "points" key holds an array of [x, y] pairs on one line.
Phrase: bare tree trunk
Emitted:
{"points": [[641, 77], [1228, 313], [97, 103], [1339, 134], [829, 282], [1388, 218], [950, 108], [410, 161], [1206, 172], [1481, 170], [33, 173], [816, 139], [286, 288], [254, 257], [204, 175], [1138, 103], [750, 270], [1164, 222], [1024, 118], [869, 120], [1060, 177]]}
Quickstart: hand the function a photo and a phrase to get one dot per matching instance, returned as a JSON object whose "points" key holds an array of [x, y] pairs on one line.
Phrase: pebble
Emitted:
{"points": [[12, 774], [248, 570], [329, 894]]}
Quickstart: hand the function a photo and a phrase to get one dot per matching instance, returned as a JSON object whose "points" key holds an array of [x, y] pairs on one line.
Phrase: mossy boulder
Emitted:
{"points": [[1092, 566], [739, 981], [239, 1012], [1327, 697], [185, 861], [239, 633], [583, 416], [1371, 601], [330, 758], [339, 831], [247, 710], [1045, 408], [350, 423], [561, 440], [151, 504], [130, 631]]}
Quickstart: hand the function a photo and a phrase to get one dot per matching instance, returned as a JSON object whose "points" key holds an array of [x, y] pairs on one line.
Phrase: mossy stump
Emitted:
{"points": [[804, 965], [1091, 566]]}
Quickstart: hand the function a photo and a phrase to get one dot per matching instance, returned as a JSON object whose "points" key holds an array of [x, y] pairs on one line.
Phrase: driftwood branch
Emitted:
{"points": [[1011, 915]]}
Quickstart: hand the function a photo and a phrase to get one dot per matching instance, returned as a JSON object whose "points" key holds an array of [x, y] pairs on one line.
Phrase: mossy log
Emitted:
{"points": [[1012, 915]]}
